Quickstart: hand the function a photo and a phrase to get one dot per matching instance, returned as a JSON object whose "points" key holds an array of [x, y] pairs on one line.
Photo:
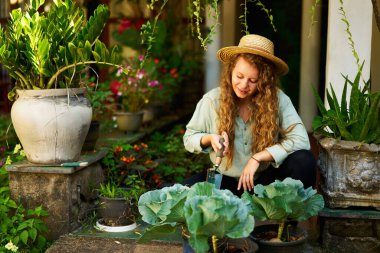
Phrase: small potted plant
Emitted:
{"points": [[117, 208], [48, 53], [282, 202], [203, 213]]}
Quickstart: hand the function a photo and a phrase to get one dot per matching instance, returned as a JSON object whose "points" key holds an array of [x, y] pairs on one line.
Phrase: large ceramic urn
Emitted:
{"points": [[51, 124], [350, 173]]}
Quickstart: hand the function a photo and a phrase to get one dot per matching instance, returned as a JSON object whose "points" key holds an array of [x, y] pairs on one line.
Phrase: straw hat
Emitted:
{"points": [[254, 44]]}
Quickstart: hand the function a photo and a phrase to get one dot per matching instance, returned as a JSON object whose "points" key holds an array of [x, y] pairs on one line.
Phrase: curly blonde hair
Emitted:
{"points": [[264, 101]]}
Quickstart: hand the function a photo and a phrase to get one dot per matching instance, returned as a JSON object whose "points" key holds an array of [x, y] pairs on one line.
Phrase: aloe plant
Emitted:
{"points": [[358, 121], [42, 50]]}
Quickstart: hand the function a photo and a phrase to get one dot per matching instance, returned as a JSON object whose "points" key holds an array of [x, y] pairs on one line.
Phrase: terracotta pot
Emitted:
{"points": [[51, 124], [266, 246], [129, 121]]}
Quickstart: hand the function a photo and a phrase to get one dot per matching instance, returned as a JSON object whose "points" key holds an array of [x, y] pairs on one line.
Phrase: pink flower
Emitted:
{"points": [[153, 83], [119, 71], [141, 74], [141, 57]]}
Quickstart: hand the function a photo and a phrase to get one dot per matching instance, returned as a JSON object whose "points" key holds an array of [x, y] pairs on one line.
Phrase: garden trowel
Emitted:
{"points": [[213, 176]]}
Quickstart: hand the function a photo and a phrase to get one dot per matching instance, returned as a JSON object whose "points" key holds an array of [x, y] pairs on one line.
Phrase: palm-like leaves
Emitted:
{"points": [[42, 49]]}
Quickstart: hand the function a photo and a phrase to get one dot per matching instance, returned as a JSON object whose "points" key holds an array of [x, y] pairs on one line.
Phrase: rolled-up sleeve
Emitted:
{"points": [[295, 139], [201, 123]]}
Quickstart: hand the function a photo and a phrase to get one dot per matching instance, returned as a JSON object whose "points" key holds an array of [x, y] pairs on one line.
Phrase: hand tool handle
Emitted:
{"points": [[220, 151]]}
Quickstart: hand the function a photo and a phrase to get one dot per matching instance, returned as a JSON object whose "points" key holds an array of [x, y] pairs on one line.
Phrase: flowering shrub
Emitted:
{"points": [[128, 164], [134, 86], [174, 59], [175, 163]]}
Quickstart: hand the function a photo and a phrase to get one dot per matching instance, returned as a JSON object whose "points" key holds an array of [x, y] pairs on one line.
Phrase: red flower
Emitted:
{"points": [[127, 160], [181, 131], [139, 23], [115, 86], [124, 24], [118, 150]]}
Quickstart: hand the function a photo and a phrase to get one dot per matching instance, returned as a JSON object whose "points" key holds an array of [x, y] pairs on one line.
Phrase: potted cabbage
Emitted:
{"points": [[283, 202], [204, 214]]}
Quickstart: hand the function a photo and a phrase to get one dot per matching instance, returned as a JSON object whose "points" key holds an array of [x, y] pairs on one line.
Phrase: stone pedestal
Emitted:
{"points": [[66, 193], [350, 230]]}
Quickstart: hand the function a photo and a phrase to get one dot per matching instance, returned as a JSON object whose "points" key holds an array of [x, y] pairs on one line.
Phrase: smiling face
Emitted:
{"points": [[245, 77]]}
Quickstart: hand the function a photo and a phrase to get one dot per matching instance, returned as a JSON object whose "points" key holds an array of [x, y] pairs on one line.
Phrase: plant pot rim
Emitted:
{"points": [[50, 92], [269, 227], [115, 229], [121, 113], [329, 143]]}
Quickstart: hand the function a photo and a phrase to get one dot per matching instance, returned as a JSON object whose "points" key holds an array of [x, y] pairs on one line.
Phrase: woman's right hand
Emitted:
{"points": [[216, 145], [214, 141]]}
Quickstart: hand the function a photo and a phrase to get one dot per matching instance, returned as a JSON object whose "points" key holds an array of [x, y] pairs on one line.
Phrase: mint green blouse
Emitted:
{"points": [[204, 121]]}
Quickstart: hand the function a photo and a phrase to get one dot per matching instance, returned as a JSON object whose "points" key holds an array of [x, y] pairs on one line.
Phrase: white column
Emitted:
{"points": [[309, 72], [375, 58], [212, 65], [339, 58]]}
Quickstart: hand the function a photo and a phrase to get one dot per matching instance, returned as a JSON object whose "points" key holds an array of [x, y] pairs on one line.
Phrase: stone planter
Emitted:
{"points": [[350, 174], [51, 124], [129, 121]]}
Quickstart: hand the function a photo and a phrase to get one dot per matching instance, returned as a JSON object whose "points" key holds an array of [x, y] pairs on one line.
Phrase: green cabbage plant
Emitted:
{"points": [[283, 201], [201, 211]]}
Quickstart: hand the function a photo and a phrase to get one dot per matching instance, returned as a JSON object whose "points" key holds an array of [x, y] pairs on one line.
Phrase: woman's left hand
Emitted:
{"points": [[246, 177]]}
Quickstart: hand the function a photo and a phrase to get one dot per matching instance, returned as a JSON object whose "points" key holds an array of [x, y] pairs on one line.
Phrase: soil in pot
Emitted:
{"points": [[265, 236], [116, 211], [228, 245]]}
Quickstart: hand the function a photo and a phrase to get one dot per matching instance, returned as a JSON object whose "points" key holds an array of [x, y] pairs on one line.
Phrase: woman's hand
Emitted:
{"points": [[214, 141], [246, 177]]}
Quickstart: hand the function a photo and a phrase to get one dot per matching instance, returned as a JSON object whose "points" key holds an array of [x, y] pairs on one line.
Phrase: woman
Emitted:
{"points": [[264, 138]]}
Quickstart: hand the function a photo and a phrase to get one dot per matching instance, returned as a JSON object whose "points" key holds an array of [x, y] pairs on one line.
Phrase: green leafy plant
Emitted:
{"points": [[174, 162], [283, 201], [131, 191], [20, 229], [100, 98], [42, 50], [201, 211], [358, 121]]}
